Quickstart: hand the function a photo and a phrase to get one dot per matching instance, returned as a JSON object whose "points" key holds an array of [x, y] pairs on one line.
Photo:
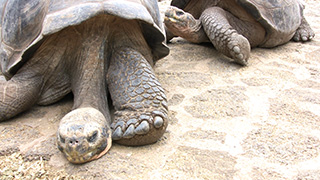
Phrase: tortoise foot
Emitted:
{"points": [[138, 98], [239, 49], [138, 128], [224, 37], [304, 33]]}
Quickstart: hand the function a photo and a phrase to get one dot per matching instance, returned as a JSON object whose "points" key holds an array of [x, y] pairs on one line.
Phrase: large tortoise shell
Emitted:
{"points": [[24, 24]]}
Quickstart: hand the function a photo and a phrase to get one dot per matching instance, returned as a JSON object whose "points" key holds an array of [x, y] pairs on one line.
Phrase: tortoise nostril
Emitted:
{"points": [[73, 142]]}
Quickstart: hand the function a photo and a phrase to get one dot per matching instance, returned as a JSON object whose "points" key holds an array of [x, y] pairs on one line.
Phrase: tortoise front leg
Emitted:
{"points": [[39, 81], [304, 32], [138, 98], [224, 37], [19, 94]]}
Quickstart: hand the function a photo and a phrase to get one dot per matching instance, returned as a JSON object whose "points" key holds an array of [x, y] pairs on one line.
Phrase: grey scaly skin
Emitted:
{"points": [[142, 106], [223, 36], [138, 98], [232, 30], [103, 53]]}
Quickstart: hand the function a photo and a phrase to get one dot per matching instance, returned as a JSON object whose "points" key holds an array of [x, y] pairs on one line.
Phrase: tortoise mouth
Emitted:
{"points": [[177, 18], [76, 158], [81, 150], [173, 23], [173, 19]]}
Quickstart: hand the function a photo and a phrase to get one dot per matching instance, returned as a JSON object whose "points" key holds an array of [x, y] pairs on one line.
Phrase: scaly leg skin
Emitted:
{"points": [[138, 98], [18, 94], [224, 37], [304, 32]]}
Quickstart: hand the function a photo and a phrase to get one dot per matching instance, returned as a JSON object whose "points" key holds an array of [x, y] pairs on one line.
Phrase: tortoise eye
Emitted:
{"points": [[93, 137], [62, 140], [179, 13]]}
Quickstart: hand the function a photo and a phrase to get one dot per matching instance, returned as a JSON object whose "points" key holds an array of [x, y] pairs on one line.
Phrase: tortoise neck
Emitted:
{"points": [[89, 63]]}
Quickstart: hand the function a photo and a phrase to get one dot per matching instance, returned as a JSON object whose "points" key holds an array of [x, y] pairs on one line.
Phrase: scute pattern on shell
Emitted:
{"points": [[72, 12]]}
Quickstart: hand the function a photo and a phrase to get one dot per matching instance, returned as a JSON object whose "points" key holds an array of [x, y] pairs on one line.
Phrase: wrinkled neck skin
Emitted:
{"points": [[88, 68], [197, 34]]}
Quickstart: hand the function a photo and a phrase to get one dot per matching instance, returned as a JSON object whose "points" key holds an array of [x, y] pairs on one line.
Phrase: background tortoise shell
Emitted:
{"points": [[280, 18]]}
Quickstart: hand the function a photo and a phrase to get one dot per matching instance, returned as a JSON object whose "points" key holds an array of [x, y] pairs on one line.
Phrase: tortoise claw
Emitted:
{"points": [[129, 132], [117, 134], [158, 122], [143, 128]]}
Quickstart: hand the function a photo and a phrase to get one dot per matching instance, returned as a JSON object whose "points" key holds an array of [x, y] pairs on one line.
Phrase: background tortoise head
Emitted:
{"points": [[177, 19]]}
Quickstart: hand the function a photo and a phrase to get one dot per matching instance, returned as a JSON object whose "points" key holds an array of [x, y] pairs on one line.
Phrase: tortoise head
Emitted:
{"points": [[178, 21], [84, 135]]}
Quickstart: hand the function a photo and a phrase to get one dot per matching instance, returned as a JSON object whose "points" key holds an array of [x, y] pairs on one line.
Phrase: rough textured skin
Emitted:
{"points": [[88, 53], [139, 99], [223, 36], [235, 26]]}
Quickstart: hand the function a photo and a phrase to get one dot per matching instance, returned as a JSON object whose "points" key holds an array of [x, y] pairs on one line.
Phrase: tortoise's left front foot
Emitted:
{"points": [[304, 32], [138, 98]]}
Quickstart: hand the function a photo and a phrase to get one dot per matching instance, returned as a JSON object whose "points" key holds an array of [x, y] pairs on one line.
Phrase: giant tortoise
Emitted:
{"points": [[235, 26], [91, 48]]}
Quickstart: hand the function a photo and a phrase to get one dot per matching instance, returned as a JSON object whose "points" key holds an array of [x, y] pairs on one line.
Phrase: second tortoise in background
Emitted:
{"points": [[235, 26]]}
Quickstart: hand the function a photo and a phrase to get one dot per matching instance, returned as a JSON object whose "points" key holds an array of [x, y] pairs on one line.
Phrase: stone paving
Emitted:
{"points": [[226, 121]]}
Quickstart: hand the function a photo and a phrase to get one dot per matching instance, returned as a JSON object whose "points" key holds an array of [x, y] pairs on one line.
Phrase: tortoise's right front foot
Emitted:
{"points": [[138, 98]]}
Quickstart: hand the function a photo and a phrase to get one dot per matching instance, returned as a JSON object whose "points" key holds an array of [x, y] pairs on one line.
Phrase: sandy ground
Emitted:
{"points": [[226, 122]]}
